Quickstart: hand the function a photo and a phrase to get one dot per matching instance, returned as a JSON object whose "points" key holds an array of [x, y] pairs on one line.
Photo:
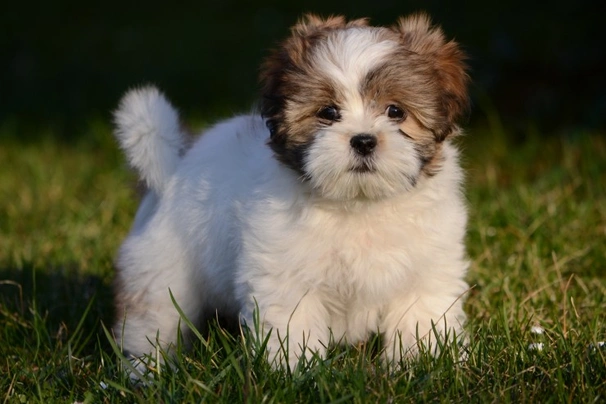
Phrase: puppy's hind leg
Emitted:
{"points": [[147, 321]]}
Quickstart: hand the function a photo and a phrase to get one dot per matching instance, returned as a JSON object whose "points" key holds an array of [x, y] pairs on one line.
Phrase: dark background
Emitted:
{"points": [[64, 63]]}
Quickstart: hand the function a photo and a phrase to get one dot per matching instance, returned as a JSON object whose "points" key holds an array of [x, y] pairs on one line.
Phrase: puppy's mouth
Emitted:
{"points": [[363, 167]]}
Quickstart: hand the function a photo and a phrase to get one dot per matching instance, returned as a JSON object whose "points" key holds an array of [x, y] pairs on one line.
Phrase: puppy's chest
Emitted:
{"points": [[362, 263], [350, 257]]}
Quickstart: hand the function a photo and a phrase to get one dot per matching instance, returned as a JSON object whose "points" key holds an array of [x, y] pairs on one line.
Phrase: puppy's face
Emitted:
{"points": [[361, 112]]}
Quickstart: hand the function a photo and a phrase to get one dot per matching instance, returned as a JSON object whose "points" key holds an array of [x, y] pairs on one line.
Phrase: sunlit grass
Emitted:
{"points": [[536, 242]]}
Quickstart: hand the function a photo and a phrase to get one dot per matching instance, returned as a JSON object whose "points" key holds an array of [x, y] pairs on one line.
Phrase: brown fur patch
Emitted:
{"points": [[406, 80], [410, 82], [448, 63]]}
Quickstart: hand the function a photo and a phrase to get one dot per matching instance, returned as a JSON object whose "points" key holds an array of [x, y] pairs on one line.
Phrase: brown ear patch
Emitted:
{"points": [[419, 36]]}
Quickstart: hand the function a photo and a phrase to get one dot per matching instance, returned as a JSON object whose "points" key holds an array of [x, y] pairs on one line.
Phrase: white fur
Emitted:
{"points": [[230, 228], [347, 55]]}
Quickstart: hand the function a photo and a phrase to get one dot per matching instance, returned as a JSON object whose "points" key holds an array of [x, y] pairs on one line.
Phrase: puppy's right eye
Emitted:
{"points": [[396, 113], [329, 113]]}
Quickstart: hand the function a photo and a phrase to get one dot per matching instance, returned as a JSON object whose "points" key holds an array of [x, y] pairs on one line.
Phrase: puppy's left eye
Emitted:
{"points": [[329, 113], [396, 113]]}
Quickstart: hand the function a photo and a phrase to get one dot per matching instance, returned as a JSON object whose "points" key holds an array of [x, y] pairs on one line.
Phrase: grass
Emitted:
{"points": [[536, 241]]}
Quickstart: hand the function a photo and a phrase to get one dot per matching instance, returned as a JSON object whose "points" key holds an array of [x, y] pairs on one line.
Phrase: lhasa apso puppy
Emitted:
{"points": [[334, 214]]}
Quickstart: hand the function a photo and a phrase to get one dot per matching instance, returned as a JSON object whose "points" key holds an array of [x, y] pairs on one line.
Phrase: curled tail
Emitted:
{"points": [[147, 128]]}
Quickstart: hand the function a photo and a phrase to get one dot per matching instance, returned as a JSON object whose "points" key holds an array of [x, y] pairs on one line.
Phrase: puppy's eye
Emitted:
{"points": [[395, 112], [329, 113]]}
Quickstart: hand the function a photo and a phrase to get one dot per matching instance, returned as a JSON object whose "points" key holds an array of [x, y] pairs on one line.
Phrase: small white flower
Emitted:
{"points": [[536, 346], [537, 330], [103, 385]]}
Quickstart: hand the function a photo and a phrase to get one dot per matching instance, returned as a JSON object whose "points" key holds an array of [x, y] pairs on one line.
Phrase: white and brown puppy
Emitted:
{"points": [[335, 213]]}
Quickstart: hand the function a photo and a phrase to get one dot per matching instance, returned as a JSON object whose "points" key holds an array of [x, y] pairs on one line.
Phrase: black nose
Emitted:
{"points": [[363, 143]]}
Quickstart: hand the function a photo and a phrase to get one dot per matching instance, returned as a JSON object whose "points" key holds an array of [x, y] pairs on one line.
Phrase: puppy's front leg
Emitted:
{"points": [[420, 319], [296, 327]]}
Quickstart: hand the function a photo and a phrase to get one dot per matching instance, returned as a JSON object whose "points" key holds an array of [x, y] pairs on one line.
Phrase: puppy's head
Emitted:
{"points": [[361, 111]]}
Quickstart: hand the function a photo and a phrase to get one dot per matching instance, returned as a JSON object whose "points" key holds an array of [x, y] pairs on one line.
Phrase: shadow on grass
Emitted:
{"points": [[51, 306]]}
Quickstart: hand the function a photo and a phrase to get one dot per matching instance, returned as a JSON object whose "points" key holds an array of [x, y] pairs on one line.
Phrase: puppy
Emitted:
{"points": [[335, 213]]}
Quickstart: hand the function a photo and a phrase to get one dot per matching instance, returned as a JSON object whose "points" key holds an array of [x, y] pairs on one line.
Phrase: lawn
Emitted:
{"points": [[537, 309]]}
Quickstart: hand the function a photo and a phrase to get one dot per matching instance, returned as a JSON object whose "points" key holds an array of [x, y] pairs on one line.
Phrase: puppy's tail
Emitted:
{"points": [[147, 128]]}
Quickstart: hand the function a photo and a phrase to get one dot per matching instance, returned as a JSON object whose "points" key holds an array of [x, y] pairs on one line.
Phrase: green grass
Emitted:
{"points": [[536, 241]]}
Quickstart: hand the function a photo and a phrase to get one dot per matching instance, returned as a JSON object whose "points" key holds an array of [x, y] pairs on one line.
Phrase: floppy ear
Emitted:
{"points": [[418, 36]]}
